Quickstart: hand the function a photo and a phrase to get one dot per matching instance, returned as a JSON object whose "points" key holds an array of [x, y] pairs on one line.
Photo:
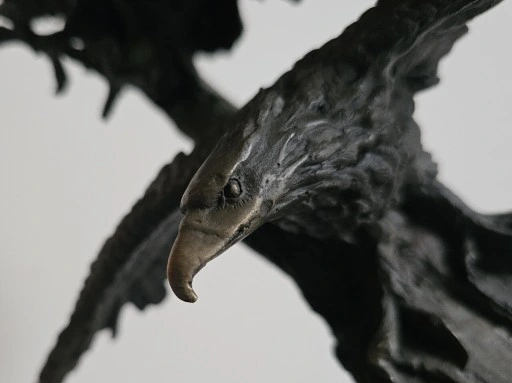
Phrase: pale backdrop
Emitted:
{"points": [[67, 178]]}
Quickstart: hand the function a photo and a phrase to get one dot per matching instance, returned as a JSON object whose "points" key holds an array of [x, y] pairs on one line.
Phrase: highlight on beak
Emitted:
{"points": [[193, 249], [204, 234]]}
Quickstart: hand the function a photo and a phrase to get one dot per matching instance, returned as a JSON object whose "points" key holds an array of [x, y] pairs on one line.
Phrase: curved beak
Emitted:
{"points": [[204, 235]]}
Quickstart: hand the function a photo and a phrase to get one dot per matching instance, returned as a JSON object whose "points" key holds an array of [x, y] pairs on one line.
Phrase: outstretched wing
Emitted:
{"points": [[406, 39], [130, 267]]}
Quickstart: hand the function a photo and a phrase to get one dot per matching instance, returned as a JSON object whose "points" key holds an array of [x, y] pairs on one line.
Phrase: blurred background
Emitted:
{"points": [[67, 178]]}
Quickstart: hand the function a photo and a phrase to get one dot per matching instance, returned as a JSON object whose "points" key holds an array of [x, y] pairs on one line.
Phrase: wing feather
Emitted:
{"points": [[407, 39], [129, 267]]}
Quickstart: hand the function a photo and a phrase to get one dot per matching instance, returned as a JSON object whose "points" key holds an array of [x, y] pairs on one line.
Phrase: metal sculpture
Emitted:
{"points": [[414, 284]]}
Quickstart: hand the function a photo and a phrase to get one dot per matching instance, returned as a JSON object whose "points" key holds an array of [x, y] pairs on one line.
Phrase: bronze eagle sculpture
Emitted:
{"points": [[323, 173]]}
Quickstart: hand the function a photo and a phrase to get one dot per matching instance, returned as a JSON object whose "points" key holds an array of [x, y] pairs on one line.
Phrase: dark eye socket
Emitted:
{"points": [[233, 189]]}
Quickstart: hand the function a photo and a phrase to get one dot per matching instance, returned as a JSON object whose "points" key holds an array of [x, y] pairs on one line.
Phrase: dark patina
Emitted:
{"points": [[323, 174]]}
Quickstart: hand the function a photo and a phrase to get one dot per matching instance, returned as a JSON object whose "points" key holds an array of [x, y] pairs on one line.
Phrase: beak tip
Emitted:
{"points": [[184, 293], [188, 296]]}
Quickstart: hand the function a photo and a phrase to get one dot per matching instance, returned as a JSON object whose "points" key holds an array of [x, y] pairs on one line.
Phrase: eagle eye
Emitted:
{"points": [[233, 189]]}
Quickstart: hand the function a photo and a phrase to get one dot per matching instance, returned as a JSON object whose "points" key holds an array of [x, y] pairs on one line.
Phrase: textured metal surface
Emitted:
{"points": [[323, 174]]}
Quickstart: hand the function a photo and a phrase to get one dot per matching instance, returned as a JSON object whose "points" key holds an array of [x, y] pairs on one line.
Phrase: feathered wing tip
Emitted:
{"points": [[129, 268]]}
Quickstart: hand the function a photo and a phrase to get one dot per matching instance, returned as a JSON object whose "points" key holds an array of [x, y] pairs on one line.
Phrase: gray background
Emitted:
{"points": [[68, 177]]}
